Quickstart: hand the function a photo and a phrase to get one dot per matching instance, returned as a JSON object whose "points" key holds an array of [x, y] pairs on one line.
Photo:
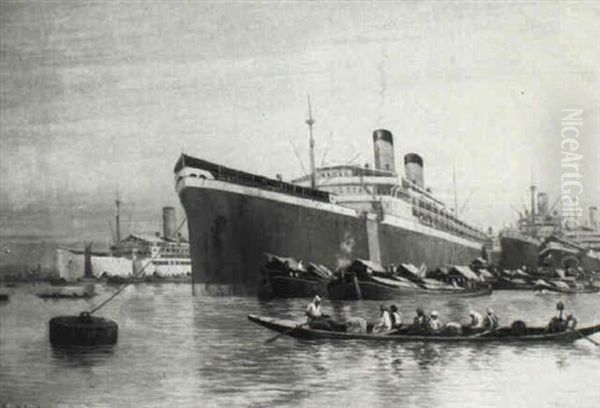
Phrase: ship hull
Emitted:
{"points": [[516, 253], [230, 230]]}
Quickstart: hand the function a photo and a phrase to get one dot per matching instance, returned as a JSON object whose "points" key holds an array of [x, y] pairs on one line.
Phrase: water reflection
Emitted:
{"points": [[83, 356]]}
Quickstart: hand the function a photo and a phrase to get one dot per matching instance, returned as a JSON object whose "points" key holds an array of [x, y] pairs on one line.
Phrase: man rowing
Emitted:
{"points": [[313, 310], [318, 320]]}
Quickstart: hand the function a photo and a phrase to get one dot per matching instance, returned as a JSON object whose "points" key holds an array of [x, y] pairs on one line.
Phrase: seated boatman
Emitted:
{"points": [[396, 317], [385, 323], [476, 320], [562, 321], [317, 320], [421, 321], [313, 310], [435, 325], [491, 320]]}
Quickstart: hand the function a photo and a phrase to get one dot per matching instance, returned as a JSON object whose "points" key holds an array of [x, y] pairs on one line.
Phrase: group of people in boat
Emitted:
{"points": [[426, 323]]}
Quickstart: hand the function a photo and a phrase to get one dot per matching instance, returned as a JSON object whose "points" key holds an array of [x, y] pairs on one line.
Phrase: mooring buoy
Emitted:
{"points": [[82, 330]]}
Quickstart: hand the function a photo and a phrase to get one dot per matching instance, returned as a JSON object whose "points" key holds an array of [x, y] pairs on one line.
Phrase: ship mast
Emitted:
{"points": [[310, 122], [454, 183], [118, 219], [532, 189]]}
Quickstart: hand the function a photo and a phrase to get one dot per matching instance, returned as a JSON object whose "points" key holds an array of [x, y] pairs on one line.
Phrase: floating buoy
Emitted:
{"points": [[82, 330]]}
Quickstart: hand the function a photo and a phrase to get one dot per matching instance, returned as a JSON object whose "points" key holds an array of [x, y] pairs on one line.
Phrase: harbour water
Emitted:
{"points": [[178, 350]]}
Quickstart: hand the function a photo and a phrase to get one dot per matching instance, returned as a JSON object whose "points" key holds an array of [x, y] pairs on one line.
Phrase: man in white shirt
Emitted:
{"points": [[313, 310], [385, 323], [476, 320]]}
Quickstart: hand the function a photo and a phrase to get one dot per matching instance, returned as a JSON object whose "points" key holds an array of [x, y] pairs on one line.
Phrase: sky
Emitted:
{"points": [[100, 97]]}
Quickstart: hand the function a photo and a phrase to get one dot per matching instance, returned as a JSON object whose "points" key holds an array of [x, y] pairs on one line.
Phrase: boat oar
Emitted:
{"points": [[283, 333], [583, 336]]}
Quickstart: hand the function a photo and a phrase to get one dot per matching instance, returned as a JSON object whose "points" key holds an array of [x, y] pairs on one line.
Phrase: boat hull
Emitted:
{"points": [[504, 335], [230, 231], [292, 287], [516, 252], [375, 291]]}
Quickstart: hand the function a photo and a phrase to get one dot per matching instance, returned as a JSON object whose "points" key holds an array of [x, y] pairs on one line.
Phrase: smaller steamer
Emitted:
{"points": [[82, 330]]}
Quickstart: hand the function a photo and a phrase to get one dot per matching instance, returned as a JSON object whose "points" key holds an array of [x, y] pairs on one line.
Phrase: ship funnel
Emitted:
{"points": [[383, 143], [542, 203], [413, 169], [169, 222]]}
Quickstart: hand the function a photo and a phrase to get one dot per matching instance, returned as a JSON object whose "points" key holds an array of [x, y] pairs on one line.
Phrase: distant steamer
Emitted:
{"points": [[540, 239], [332, 215], [160, 255]]}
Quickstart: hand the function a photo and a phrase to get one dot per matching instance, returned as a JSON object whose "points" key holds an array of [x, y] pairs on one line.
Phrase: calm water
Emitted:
{"points": [[191, 351]]}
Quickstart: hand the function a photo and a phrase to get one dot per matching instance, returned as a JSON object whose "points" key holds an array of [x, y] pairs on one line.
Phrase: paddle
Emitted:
{"points": [[283, 333], [585, 337], [482, 333]]}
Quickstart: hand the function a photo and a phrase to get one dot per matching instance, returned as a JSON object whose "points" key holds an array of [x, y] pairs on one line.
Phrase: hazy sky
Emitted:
{"points": [[104, 95]]}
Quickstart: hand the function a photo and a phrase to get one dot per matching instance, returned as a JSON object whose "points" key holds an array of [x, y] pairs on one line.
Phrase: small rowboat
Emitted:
{"points": [[503, 334]]}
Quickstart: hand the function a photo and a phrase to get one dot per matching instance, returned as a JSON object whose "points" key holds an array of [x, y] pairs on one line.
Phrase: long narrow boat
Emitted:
{"points": [[582, 289], [367, 280], [285, 277], [504, 334], [378, 290]]}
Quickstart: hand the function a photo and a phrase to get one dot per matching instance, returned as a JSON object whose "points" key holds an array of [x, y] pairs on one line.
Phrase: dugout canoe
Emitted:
{"points": [[504, 334]]}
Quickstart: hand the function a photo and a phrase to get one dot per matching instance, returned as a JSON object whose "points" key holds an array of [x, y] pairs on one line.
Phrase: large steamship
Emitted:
{"points": [[541, 240], [334, 214]]}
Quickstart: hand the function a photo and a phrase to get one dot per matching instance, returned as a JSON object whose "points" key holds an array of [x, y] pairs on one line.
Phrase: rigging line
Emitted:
{"points": [[118, 291], [297, 155], [326, 149]]}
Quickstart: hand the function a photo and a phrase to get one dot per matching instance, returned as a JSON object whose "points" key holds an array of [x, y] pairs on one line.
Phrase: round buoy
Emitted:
{"points": [[82, 330]]}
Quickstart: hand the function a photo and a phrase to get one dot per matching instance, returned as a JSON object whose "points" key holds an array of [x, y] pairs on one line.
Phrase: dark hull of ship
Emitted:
{"points": [[516, 253], [229, 232]]}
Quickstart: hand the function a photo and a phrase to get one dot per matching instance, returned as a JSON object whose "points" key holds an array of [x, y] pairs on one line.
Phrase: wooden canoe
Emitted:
{"points": [[504, 334]]}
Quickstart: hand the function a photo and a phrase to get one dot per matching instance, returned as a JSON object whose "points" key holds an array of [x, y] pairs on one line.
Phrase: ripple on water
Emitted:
{"points": [[175, 349]]}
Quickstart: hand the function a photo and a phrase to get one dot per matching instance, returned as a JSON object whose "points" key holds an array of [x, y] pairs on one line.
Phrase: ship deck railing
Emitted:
{"points": [[242, 178]]}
